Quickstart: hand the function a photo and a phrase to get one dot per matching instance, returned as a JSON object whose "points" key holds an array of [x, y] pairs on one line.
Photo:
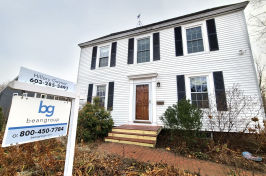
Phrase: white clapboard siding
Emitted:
{"points": [[231, 31]]}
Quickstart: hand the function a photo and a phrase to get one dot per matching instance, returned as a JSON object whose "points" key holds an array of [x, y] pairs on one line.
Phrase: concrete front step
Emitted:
{"points": [[134, 134]]}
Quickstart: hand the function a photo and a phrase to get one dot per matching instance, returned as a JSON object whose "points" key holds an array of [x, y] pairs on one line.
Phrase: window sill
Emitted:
{"points": [[142, 63], [198, 53], [100, 68]]}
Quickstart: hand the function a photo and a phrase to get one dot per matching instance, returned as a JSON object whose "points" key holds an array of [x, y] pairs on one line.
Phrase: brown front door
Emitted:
{"points": [[142, 102]]}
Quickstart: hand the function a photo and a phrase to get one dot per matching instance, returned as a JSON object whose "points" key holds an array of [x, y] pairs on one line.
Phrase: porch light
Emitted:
{"points": [[158, 84]]}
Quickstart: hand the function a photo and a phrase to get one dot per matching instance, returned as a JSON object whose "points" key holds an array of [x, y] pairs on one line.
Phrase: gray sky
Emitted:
{"points": [[43, 35]]}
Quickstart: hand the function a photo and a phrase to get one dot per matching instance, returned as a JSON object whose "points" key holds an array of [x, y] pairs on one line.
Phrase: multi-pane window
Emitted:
{"points": [[199, 92], [101, 94], [194, 40], [143, 50], [104, 53]]}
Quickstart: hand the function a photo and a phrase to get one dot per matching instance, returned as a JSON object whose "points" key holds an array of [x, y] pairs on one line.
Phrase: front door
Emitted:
{"points": [[142, 102]]}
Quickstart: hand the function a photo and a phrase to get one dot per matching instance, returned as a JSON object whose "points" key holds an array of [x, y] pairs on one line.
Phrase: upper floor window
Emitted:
{"points": [[143, 54], [104, 55], [194, 40]]}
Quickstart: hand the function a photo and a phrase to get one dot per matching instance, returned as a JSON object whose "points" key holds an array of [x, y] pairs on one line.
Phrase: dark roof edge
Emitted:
{"points": [[168, 23], [7, 84]]}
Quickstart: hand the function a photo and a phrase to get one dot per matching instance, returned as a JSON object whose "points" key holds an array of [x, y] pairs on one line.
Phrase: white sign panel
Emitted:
{"points": [[33, 119], [37, 78]]}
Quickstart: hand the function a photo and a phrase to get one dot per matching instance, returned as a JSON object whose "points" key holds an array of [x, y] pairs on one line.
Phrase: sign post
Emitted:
{"points": [[33, 119], [72, 135]]}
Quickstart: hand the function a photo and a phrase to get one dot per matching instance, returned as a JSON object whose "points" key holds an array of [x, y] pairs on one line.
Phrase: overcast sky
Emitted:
{"points": [[43, 35]]}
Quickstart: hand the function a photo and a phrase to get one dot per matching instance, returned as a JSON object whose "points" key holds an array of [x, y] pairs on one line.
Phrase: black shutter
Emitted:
{"points": [[113, 54], [178, 42], [130, 58], [110, 96], [181, 90], [90, 93], [93, 58], [220, 91], [156, 46], [212, 35]]}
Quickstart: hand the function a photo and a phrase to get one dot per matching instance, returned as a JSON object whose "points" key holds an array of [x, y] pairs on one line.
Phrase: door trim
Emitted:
{"points": [[142, 79], [134, 101]]}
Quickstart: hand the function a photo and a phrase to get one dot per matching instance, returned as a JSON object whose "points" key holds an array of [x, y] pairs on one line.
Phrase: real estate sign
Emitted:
{"points": [[33, 77], [33, 119]]}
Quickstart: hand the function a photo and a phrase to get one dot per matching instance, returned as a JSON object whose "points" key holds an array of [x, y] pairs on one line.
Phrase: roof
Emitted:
{"points": [[168, 23], [16, 78]]}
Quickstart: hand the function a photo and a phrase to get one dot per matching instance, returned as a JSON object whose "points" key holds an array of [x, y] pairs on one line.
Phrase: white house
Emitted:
{"points": [[141, 71]]}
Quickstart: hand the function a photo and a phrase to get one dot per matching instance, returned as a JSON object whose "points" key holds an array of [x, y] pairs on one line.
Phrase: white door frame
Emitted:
{"points": [[150, 78], [134, 101]]}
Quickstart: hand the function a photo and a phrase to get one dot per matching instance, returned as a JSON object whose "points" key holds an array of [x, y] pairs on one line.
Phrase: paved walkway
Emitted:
{"points": [[153, 156]]}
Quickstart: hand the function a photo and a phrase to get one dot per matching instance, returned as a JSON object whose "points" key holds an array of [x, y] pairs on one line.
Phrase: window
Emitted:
{"points": [[194, 40], [43, 96], [199, 92], [104, 53], [143, 54], [101, 94]]}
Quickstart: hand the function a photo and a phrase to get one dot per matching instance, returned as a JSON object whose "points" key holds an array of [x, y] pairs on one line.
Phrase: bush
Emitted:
{"points": [[185, 118], [243, 115], [94, 122], [1, 119]]}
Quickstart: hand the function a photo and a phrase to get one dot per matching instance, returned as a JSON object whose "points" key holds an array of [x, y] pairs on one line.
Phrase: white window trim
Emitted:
{"points": [[210, 83], [136, 48], [94, 92], [203, 26], [98, 55]]}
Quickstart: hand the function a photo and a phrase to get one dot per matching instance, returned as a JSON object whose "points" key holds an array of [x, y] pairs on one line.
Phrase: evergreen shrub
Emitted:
{"points": [[185, 118], [94, 122]]}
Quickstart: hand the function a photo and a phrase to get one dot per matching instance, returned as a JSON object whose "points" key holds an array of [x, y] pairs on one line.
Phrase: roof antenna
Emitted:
{"points": [[139, 22]]}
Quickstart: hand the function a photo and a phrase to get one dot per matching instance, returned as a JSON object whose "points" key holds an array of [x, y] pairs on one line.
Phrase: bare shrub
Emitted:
{"points": [[257, 137], [240, 109]]}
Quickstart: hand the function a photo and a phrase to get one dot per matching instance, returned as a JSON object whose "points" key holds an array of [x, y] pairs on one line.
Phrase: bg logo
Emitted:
{"points": [[46, 110]]}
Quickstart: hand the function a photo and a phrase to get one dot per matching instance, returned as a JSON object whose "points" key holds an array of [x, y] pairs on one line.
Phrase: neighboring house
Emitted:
{"points": [[139, 72], [6, 96]]}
